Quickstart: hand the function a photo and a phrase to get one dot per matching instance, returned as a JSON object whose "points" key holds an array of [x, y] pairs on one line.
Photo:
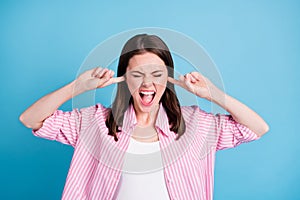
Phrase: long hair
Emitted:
{"points": [[138, 45]]}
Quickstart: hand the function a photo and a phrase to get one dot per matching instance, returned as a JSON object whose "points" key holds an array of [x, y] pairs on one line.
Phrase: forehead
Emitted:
{"points": [[146, 61]]}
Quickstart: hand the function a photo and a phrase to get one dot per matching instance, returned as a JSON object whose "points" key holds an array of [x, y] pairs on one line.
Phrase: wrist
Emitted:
{"points": [[76, 88], [217, 96]]}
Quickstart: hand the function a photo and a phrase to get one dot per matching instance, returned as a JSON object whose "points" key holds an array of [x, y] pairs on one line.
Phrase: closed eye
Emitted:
{"points": [[136, 76], [157, 75]]}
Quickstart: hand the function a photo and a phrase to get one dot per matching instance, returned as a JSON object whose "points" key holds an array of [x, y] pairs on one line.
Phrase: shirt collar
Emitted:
{"points": [[130, 121]]}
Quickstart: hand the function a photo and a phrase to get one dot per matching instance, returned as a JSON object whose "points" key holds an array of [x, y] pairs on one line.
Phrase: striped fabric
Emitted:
{"points": [[96, 165]]}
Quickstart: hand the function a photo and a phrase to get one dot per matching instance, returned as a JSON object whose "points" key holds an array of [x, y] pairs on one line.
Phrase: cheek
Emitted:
{"points": [[134, 84], [161, 84], [161, 80], [160, 90]]}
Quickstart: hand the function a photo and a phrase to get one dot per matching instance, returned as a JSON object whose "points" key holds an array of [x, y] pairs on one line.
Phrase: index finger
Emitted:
{"points": [[118, 79], [174, 81]]}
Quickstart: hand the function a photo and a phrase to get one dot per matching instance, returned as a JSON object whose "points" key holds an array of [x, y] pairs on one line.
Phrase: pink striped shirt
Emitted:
{"points": [[96, 165]]}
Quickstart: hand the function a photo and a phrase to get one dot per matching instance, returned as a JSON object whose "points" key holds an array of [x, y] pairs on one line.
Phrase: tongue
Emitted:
{"points": [[147, 98]]}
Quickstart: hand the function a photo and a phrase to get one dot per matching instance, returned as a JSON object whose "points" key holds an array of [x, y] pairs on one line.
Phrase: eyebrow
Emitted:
{"points": [[154, 72]]}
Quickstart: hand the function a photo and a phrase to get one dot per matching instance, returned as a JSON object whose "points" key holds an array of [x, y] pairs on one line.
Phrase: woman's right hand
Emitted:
{"points": [[34, 116], [96, 78]]}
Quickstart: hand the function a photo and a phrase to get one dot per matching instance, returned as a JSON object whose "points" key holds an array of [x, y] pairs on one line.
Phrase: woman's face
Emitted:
{"points": [[146, 77]]}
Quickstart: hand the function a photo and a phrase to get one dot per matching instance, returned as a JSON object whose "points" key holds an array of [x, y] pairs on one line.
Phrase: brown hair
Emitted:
{"points": [[137, 45]]}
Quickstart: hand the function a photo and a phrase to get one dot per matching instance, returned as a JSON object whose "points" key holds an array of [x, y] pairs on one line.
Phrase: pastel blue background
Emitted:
{"points": [[255, 45]]}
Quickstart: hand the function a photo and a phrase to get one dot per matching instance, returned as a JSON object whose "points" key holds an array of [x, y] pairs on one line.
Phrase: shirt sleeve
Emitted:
{"points": [[65, 127], [61, 126], [231, 133]]}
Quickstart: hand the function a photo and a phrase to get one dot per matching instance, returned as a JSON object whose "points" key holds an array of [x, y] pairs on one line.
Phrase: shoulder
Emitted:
{"points": [[195, 111], [97, 110], [195, 115]]}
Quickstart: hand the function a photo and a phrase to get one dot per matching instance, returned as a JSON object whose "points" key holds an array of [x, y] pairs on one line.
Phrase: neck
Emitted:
{"points": [[145, 119]]}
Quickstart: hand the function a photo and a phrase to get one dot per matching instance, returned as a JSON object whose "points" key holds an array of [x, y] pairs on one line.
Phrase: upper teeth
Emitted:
{"points": [[147, 93]]}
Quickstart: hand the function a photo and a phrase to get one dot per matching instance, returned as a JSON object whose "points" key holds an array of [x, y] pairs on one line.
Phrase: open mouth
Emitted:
{"points": [[147, 97]]}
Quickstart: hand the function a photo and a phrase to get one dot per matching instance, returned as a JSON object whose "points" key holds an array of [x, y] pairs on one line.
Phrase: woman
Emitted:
{"points": [[145, 114]]}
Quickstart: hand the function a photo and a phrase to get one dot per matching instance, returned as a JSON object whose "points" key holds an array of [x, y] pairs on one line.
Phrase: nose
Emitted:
{"points": [[147, 82]]}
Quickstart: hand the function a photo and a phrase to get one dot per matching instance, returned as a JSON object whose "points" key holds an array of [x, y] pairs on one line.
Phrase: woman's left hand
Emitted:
{"points": [[202, 87], [196, 83]]}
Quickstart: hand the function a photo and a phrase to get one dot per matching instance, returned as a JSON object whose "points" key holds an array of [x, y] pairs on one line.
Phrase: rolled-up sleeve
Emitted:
{"points": [[61, 126], [231, 133]]}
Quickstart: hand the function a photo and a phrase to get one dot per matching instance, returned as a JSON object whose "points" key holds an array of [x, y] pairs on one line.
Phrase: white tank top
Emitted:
{"points": [[143, 176]]}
